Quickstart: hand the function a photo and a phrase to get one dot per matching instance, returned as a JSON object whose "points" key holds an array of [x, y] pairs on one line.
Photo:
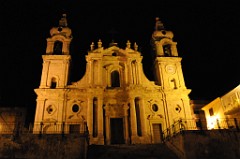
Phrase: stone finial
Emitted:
{"points": [[99, 43], [135, 46], [159, 24], [128, 44], [92, 46], [63, 21]]}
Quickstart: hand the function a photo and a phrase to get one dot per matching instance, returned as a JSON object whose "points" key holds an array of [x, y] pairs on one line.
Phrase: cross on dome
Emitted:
{"points": [[63, 21]]}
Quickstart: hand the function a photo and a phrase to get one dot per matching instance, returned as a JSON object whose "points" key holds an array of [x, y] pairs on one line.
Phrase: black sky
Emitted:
{"points": [[207, 35]]}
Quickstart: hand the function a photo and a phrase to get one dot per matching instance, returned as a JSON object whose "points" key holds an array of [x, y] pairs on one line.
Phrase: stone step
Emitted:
{"points": [[140, 151]]}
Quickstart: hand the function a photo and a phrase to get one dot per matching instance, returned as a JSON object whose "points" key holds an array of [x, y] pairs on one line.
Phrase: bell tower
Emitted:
{"points": [[168, 74], [56, 62], [50, 107]]}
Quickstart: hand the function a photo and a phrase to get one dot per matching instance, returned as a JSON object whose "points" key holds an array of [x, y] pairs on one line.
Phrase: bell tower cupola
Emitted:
{"points": [[61, 36], [162, 42]]}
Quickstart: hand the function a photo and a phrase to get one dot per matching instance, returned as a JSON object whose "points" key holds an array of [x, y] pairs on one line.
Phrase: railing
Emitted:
{"points": [[200, 124], [69, 128]]}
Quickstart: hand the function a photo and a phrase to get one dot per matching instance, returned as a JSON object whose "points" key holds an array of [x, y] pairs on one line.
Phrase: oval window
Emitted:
{"points": [[75, 108], [154, 107], [178, 109], [50, 109]]}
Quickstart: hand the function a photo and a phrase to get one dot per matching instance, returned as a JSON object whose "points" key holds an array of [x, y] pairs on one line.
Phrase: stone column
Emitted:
{"points": [[108, 75], [134, 72], [181, 82], [100, 121], [139, 72], [66, 72], [166, 114], [90, 72], [39, 116], [126, 124], [125, 74], [44, 77], [90, 117], [133, 120], [159, 49], [107, 126], [143, 119], [130, 73], [174, 49], [60, 116]]}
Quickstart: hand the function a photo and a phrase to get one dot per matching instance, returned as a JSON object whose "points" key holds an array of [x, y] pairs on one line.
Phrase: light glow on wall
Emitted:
{"points": [[212, 122]]}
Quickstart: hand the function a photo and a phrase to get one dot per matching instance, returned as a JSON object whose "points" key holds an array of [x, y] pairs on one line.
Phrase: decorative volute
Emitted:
{"points": [[162, 41], [61, 36]]}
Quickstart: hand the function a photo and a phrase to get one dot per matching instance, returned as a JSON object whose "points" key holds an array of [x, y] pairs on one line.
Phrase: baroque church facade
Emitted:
{"points": [[114, 100]]}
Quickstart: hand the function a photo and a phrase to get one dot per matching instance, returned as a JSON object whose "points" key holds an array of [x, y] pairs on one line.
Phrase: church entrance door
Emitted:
{"points": [[117, 135], [157, 133]]}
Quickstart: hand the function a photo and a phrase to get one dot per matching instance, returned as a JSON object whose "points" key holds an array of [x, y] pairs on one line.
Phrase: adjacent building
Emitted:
{"points": [[224, 111]]}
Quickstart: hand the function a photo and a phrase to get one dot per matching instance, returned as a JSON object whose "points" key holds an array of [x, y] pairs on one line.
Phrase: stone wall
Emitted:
{"points": [[207, 144], [43, 147]]}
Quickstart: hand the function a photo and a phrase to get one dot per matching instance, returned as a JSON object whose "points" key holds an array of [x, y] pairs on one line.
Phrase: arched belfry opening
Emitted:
{"points": [[167, 50], [53, 83], [57, 49], [115, 81]]}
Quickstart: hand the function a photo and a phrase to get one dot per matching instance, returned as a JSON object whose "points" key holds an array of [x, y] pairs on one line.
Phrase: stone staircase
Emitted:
{"points": [[146, 151]]}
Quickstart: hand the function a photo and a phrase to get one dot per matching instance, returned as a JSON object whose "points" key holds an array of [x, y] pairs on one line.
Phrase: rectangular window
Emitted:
{"points": [[211, 113]]}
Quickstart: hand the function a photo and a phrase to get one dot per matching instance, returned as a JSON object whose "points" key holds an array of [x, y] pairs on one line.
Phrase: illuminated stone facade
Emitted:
{"points": [[114, 98], [227, 108]]}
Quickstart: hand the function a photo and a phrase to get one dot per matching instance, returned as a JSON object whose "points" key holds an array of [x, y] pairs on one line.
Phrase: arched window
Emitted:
{"points": [[155, 107], [53, 83], [167, 50], [95, 72], [57, 50], [138, 116], [95, 117], [173, 83], [115, 82], [135, 75]]}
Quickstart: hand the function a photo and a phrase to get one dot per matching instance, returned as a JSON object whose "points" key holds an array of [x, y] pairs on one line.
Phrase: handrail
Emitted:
{"points": [[199, 124], [83, 132]]}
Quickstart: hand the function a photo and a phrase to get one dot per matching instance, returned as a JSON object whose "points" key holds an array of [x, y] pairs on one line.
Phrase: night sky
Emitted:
{"points": [[207, 35]]}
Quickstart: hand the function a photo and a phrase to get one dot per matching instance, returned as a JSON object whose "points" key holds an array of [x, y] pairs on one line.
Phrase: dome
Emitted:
{"points": [[160, 31], [62, 28]]}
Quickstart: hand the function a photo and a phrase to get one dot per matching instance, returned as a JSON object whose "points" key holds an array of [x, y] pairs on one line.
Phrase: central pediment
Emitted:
{"points": [[114, 50]]}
